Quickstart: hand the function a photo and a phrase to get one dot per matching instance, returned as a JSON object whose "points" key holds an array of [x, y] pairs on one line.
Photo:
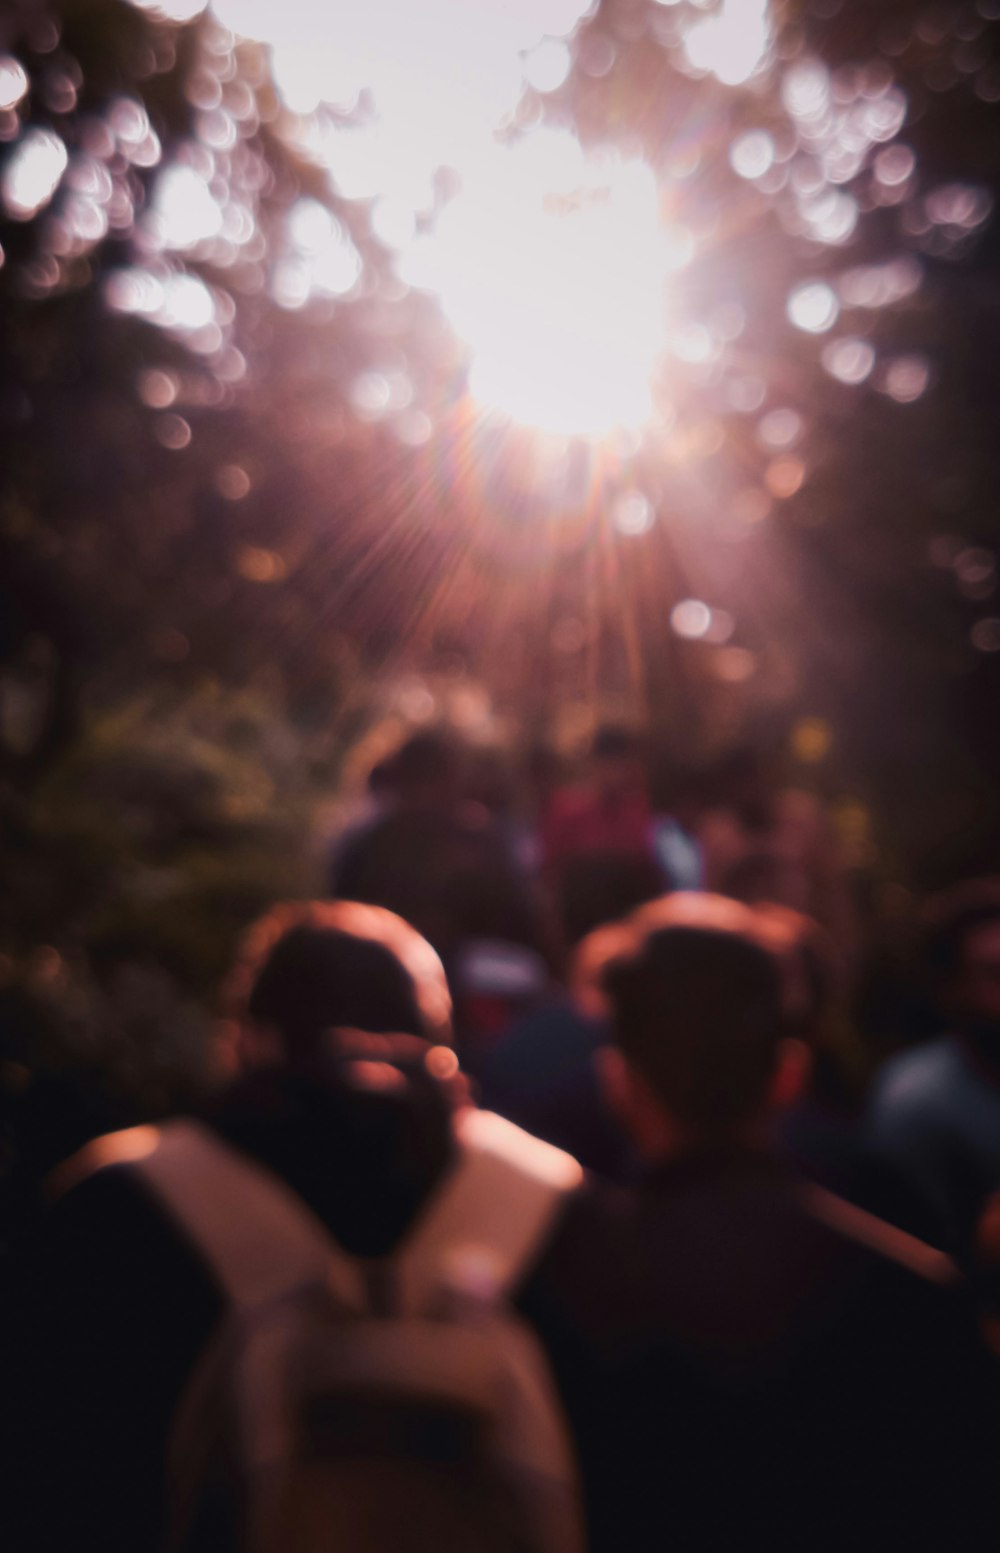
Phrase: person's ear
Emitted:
{"points": [[635, 1108], [257, 1046], [616, 1082], [791, 1073]]}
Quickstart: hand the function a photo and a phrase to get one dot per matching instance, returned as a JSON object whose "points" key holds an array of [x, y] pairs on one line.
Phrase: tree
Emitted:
{"points": [[225, 498]]}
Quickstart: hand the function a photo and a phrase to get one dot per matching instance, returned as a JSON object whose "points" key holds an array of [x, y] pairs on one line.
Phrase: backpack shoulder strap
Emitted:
{"points": [[491, 1213], [896, 1245], [258, 1237], [261, 1241]]}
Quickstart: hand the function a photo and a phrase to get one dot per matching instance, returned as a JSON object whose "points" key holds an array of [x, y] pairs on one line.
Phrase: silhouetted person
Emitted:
{"points": [[378, 800], [747, 1359], [609, 813], [762, 840], [116, 1304], [543, 1072], [820, 1128], [681, 799], [417, 858], [935, 1110]]}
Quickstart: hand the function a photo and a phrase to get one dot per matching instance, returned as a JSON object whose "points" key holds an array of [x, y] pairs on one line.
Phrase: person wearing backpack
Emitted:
{"points": [[285, 1325]]}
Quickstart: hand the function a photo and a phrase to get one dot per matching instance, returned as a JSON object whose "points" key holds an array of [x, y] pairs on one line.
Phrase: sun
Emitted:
{"points": [[550, 264], [553, 269]]}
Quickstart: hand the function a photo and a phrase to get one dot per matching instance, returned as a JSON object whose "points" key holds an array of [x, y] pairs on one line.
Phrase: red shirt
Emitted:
{"points": [[580, 821]]}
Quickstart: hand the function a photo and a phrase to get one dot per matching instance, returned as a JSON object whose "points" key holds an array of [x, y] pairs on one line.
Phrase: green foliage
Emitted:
{"points": [[163, 831]]}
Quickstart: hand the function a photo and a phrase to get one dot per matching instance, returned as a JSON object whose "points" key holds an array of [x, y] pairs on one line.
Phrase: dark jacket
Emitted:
{"points": [[731, 1362], [541, 1074], [112, 1306], [748, 1361]]}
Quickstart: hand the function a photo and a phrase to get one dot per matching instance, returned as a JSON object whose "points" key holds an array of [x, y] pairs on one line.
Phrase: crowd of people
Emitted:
{"points": [[545, 1199]]}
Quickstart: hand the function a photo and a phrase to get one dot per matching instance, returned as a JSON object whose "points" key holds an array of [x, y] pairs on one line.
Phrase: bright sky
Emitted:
{"points": [[553, 268]]}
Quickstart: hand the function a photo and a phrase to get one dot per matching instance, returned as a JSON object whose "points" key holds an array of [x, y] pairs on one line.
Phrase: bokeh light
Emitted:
{"points": [[813, 307], [906, 378], [850, 360], [985, 634], [321, 259], [811, 740], [784, 477], [33, 173], [13, 81], [449, 129], [232, 482], [733, 43], [752, 155], [184, 212], [780, 428], [633, 513], [691, 618]]}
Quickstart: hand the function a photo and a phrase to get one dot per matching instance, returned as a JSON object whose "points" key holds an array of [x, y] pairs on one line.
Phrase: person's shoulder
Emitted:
{"points": [[81, 1193], [569, 804], [914, 1080], [882, 1247], [583, 1247], [103, 1241]]}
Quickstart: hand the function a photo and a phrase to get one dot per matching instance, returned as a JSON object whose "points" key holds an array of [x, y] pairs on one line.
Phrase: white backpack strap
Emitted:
{"points": [[258, 1237], [490, 1214]]}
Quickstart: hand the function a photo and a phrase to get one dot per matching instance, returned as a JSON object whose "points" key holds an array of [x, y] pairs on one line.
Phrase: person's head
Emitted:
{"points": [[310, 967], [680, 791], [489, 782], [616, 761], [744, 782], [598, 887], [763, 875], [963, 950], [700, 1054], [427, 770]]}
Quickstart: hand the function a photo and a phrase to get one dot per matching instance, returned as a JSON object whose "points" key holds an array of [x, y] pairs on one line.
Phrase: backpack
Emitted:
{"points": [[346, 1406]]}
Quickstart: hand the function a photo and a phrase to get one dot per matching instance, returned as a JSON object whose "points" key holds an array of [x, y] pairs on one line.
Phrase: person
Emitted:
{"points": [[675, 828], [611, 813], [820, 1129], [396, 859], [745, 1357], [376, 803], [597, 842], [934, 1112], [543, 1071], [119, 1297], [426, 857], [762, 840]]}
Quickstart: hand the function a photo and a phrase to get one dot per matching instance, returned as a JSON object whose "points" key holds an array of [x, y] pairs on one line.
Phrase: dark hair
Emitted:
{"points": [[613, 741], [696, 1001], [426, 759], [602, 886], [949, 919], [382, 776], [310, 967]]}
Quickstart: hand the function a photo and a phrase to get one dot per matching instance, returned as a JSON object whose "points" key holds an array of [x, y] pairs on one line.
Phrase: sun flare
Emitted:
{"points": [[553, 272]]}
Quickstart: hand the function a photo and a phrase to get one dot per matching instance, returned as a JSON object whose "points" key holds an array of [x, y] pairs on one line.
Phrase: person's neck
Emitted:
{"points": [[672, 1141]]}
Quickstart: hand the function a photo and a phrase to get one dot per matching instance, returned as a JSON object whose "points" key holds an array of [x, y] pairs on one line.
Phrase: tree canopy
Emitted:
{"points": [[242, 432]]}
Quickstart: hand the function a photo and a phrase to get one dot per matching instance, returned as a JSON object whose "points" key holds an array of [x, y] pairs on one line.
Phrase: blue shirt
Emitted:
{"points": [[935, 1120]]}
